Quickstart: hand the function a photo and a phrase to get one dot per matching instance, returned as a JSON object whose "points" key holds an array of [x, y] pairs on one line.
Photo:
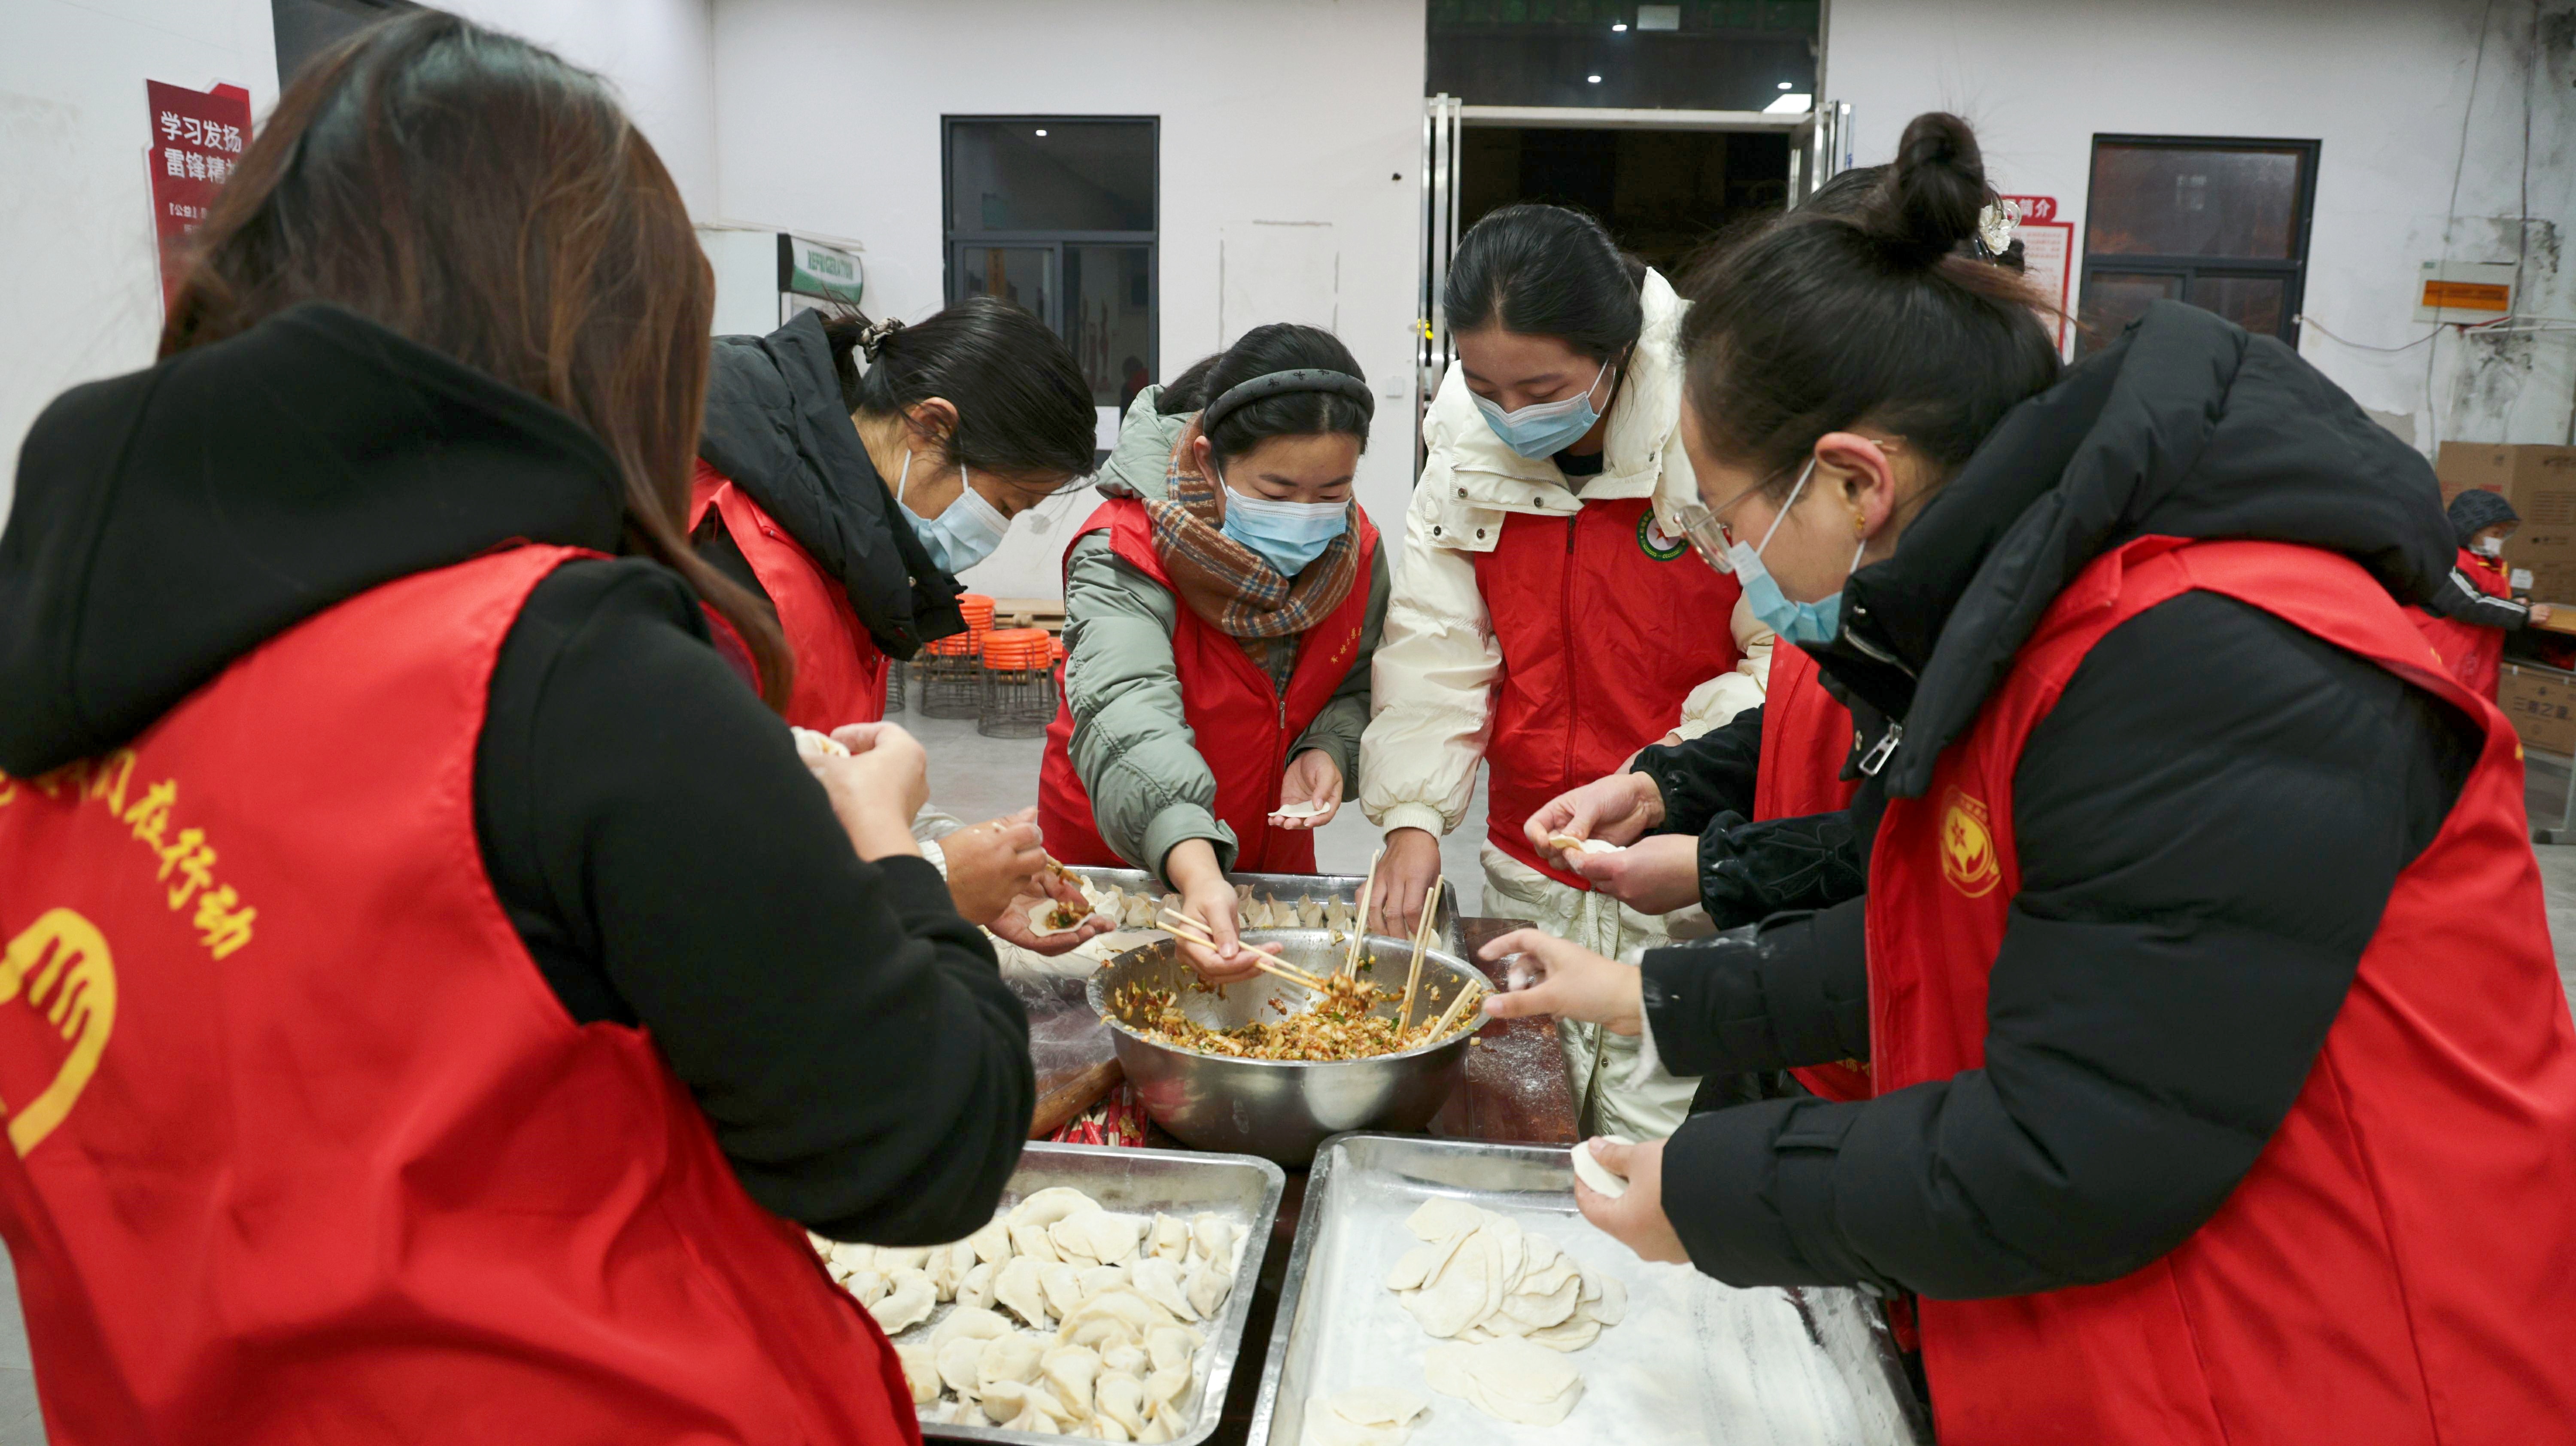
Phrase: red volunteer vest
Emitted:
{"points": [[1806, 735], [840, 673], [305, 1148], [2474, 654], [1243, 727], [1605, 625], [2397, 1268]]}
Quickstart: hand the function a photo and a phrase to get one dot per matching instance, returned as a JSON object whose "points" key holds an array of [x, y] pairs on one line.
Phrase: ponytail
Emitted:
{"points": [[1868, 309]]}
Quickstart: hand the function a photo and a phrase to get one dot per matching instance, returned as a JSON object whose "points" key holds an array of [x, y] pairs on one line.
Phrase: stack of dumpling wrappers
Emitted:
{"points": [[1069, 1319], [1510, 1304]]}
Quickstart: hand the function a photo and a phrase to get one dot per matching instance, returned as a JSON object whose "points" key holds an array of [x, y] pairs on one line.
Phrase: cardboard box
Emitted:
{"points": [[2540, 482], [2542, 704]]}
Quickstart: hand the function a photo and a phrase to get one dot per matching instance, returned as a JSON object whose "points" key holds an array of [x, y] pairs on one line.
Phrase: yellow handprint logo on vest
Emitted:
{"points": [[61, 964]]}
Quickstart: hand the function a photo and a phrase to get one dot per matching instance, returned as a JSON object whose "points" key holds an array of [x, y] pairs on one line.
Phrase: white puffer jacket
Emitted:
{"points": [[1437, 661]]}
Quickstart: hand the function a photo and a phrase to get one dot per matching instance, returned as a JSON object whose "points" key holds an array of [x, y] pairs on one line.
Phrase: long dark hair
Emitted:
{"points": [[478, 195], [1023, 409], [1546, 271], [1864, 311], [1281, 346]]}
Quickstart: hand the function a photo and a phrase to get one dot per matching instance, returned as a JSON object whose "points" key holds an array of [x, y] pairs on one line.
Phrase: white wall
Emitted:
{"points": [[658, 53], [80, 289], [2382, 83], [1273, 111]]}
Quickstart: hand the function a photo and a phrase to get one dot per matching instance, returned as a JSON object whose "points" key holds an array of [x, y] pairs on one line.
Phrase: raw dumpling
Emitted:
{"points": [[1104, 1277], [1369, 1416], [1159, 1281], [1170, 1347], [1597, 1175], [1063, 1286], [1056, 1202], [1020, 1290], [1310, 914], [1169, 1238], [1171, 1385], [968, 1322], [1206, 1288], [1097, 1237], [1120, 1397], [957, 1360], [1128, 1357], [1069, 1372], [1112, 1317], [890, 1259], [1007, 1358], [1212, 1238], [992, 1244], [1031, 1242], [920, 1371], [976, 1286], [907, 1305]]}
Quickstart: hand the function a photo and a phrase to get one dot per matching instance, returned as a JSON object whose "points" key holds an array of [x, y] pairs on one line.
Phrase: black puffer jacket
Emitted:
{"points": [[2208, 822], [777, 429]]}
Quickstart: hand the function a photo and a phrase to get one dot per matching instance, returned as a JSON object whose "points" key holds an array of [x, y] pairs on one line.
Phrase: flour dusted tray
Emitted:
{"points": [[1693, 1361], [1240, 1188]]}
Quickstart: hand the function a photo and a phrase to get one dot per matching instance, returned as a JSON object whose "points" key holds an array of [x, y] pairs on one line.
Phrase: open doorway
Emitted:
{"points": [[1663, 194]]}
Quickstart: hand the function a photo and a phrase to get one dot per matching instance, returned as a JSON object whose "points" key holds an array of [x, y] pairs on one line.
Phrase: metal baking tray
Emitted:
{"points": [[1242, 1188], [1693, 1361], [1322, 888]]}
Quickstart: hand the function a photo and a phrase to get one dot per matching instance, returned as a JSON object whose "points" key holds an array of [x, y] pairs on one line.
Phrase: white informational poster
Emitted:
{"points": [[2048, 255]]}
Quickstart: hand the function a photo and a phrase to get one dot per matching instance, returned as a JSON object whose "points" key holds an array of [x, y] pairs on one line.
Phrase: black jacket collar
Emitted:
{"points": [[172, 519], [776, 428], [2185, 427]]}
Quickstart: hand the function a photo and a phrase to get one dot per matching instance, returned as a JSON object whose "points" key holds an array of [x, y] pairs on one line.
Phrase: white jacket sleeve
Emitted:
{"points": [[1714, 704], [1433, 682]]}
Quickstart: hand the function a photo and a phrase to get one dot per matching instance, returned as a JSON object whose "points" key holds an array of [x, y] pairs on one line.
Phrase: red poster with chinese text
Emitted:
{"points": [[198, 136]]}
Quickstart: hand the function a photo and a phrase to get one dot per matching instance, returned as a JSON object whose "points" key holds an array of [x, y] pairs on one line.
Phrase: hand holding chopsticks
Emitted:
{"points": [[1182, 926]]}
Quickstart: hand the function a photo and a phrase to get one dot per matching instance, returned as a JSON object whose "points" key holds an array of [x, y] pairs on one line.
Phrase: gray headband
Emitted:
{"points": [[1302, 379]]}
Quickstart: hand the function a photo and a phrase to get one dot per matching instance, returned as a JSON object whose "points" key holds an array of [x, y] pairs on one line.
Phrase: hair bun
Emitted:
{"points": [[1936, 188]]}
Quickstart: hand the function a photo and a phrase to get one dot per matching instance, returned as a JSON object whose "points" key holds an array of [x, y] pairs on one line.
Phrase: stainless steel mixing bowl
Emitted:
{"points": [[1282, 1109]]}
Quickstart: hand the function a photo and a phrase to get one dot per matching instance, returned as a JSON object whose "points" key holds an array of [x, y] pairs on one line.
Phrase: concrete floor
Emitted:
{"points": [[977, 778]]}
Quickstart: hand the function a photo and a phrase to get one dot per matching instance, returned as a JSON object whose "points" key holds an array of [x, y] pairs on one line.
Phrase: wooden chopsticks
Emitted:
{"points": [[1421, 941], [1182, 926], [1360, 921]]}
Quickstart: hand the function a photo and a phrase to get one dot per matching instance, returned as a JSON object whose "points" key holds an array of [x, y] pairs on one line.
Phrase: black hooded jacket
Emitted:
{"points": [[777, 429], [644, 819], [2208, 823]]}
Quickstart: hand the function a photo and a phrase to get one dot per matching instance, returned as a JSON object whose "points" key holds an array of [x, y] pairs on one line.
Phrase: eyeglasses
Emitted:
{"points": [[1707, 529]]}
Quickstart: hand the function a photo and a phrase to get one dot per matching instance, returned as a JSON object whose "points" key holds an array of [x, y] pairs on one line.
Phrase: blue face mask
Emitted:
{"points": [[961, 536], [1807, 624], [1543, 429], [1287, 535]]}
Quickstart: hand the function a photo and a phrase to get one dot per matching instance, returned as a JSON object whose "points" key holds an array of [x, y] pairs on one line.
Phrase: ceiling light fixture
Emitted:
{"points": [[1594, 79], [1784, 85], [1042, 129], [1620, 27]]}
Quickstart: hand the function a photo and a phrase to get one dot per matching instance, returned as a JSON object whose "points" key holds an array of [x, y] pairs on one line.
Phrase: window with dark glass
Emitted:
{"points": [[1739, 55], [2220, 224], [1057, 214]]}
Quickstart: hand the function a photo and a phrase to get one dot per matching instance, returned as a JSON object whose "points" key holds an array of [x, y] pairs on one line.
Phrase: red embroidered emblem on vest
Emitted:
{"points": [[1655, 542], [1968, 846]]}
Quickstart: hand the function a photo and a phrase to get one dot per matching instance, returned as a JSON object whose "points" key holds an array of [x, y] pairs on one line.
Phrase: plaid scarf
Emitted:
{"points": [[1230, 585]]}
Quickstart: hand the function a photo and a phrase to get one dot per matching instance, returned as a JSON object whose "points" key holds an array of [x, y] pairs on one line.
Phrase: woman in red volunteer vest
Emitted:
{"points": [[2225, 1088], [1218, 630], [850, 499], [2466, 621], [1547, 622], [976, 415], [438, 999]]}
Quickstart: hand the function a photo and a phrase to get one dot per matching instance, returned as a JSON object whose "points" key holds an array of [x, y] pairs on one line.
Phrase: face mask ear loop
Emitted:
{"points": [[1783, 514], [903, 477]]}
